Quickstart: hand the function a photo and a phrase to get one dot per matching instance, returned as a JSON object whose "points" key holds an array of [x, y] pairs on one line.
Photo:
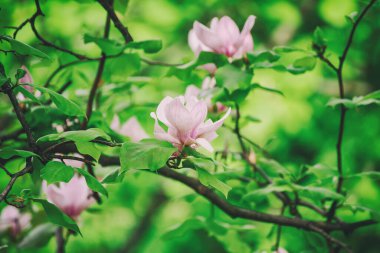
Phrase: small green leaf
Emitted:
{"points": [[65, 105], [210, 180], [88, 148], [118, 69], [147, 154], [319, 38], [54, 172], [232, 78], [114, 176], [26, 93], [108, 46], [209, 57], [76, 136], [306, 63], [7, 153], [92, 182], [20, 73], [263, 56], [56, 216], [149, 46], [24, 49], [199, 163]]}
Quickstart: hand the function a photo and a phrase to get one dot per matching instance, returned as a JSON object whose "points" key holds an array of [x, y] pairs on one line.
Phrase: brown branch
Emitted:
{"points": [[98, 76], [7, 89], [111, 13], [60, 240], [343, 109], [14, 177]]}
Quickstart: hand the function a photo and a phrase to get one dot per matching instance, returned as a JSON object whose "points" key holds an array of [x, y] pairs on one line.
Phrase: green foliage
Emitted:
{"points": [[65, 105], [371, 98], [56, 216], [54, 172], [23, 49], [143, 155]]}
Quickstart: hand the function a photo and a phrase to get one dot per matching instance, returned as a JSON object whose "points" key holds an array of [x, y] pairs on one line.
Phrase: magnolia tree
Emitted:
{"points": [[59, 153]]}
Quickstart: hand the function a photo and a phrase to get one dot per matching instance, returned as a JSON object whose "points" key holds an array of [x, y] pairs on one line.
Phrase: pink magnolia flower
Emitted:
{"points": [[72, 197], [185, 118], [223, 37], [12, 219], [26, 79], [205, 93], [281, 250], [131, 128]]}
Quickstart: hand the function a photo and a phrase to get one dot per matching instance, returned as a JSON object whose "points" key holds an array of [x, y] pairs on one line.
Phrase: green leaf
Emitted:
{"points": [[306, 63], [210, 180], [114, 176], [38, 236], [199, 163], [118, 69], [7, 153], [287, 49], [26, 93], [65, 105], [319, 38], [149, 46], [372, 98], [108, 46], [88, 148], [232, 78], [56, 216], [77, 136], [209, 57], [92, 182], [54, 172], [351, 17], [263, 56], [24, 49], [147, 154], [20, 74]]}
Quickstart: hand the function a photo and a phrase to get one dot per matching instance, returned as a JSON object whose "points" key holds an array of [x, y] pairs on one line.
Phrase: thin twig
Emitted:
{"points": [[343, 109], [98, 76]]}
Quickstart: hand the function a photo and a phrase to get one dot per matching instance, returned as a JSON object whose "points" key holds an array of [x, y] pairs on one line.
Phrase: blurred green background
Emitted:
{"points": [[297, 128]]}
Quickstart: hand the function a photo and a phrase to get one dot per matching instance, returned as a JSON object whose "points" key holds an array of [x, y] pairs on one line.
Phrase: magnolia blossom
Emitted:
{"points": [[223, 37], [131, 128], [205, 94], [72, 197], [281, 250], [26, 79], [12, 219], [185, 118]]}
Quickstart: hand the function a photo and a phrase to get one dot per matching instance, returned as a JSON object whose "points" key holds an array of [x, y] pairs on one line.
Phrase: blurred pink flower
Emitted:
{"points": [[12, 219], [185, 118], [72, 197], [281, 250], [205, 93], [223, 37], [131, 128], [26, 79]]}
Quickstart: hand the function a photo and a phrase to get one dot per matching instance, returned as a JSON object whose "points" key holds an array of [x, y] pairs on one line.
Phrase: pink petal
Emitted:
{"points": [[161, 110], [134, 130], [227, 31], [205, 144], [179, 117], [207, 37], [212, 127], [160, 133]]}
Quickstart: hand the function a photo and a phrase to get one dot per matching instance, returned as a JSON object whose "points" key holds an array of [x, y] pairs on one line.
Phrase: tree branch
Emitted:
{"points": [[343, 109], [111, 13], [98, 76]]}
